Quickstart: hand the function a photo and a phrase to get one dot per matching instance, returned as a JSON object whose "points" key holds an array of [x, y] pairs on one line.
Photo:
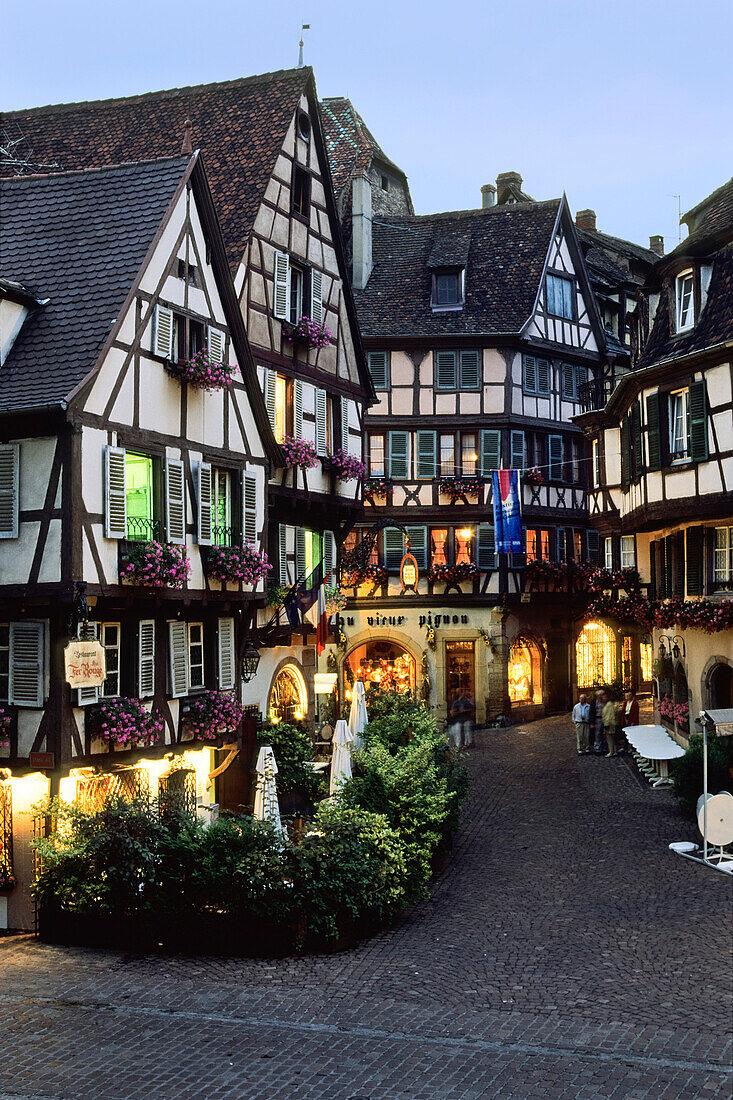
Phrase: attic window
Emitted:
{"points": [[301, 192], [304, 126], [385, 183], [685, 301], [560, 297], [447, 289], [189, 273]]}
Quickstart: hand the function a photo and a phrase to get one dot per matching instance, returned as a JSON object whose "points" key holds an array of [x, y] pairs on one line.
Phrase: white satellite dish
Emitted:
{"points": [[720, 818]]}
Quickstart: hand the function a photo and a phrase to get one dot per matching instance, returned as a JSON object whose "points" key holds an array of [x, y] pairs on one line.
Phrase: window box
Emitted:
{"points": [[533, 476], [452, 574], [124, 722], [154, 564], [299, 452], [378, 489], [456, 487], [346, 467], [236, 564], [211, 715], [202, 372], [307, 332]]}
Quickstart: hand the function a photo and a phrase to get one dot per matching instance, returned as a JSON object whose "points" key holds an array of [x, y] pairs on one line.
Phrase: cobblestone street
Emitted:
{"points": [[565, 952]]}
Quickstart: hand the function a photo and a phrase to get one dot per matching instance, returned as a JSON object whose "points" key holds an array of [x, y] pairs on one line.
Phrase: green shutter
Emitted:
{"points": [[518, 452], [394, 548], [426, 454], [594, 546], [377, 361], [530, 373], [694, 560], [698, 422], [555, 465], [470, 370], [398, 456], [490, 451], [638, 455], [679, 564], [625, 453], [486, 546], [654, 439], [418, 537], [543, 376], [445, 370]]}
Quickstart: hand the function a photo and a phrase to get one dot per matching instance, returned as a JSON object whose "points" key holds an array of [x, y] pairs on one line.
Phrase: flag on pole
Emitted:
{"points": [[303, 595], [322, 628], [507, 512]]}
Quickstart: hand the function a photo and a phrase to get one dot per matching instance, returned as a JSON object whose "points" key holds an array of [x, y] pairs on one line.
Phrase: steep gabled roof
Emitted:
{"points": [[710, 223], [506, 248], [78, 240], [239, 124], [350, 143]]}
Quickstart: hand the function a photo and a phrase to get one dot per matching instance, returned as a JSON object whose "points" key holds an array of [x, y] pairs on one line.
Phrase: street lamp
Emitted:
{"points": [[250, 662], [674, 642]]}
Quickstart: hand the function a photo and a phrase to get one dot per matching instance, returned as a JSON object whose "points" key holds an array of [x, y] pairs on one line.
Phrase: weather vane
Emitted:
{"points": [[305, 27]]}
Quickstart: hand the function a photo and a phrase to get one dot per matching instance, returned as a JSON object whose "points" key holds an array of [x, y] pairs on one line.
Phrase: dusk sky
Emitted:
{"points": [[622, 105]]}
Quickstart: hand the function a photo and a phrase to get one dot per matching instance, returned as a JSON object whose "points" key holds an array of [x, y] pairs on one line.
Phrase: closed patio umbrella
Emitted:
{"points": [[341, 756], [266, 806], [358, 716]]}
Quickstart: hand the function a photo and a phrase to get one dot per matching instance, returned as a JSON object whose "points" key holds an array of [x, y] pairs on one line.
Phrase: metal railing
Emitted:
{"points": [[140, 529]]}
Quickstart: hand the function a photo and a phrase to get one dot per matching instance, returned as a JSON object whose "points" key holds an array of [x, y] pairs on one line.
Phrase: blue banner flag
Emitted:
{"points": [[507, 512]]}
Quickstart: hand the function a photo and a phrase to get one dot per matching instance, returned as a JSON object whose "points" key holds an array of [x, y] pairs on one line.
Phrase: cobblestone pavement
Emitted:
{"points": [[565, 952]]}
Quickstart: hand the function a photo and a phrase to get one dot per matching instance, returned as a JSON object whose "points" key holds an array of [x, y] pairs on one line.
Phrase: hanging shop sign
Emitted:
{"points": [[85, 664], [409, 574]]}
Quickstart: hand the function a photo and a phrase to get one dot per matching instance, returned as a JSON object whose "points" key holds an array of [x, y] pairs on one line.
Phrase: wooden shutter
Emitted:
{"points": [[321, 427], [297, 408], [470, 370], [203, 503], [638, 455], [249, 508], [377, 361], [115, 494], [694, 559], [175, 501], [329, 555], [398, 455], [281, 294], [87, 696], [26, 664], [555, 457], [146, 658], [316, 296], [418, 537], [568, 380], [529, 368], [344, 410], [561, 544], [300, 565], [178, 657], [594, 546], [519, 560], [282, 552], [625, 453], [490, 451], [486, 546], [227, 655], [445, 370], [9, 490], [698, 422], [653, 553], [679, 564], [654, 441], [215, 344], [518, 451], [270, 384], [426, 454], [163, 332], [394, 547], [543, 376]]}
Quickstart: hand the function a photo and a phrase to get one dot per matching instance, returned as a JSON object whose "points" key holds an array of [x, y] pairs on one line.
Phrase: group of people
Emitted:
{"points": [[605, 721]]}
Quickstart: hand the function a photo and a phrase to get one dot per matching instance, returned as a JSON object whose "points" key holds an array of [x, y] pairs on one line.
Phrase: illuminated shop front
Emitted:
{"points": [[383, 663], [525, 672], [595, 654], [288, 696]]}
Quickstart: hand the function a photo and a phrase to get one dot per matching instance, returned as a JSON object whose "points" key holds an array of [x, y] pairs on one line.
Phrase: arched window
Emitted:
{"points": [[595, 655], [720, 687], [524, 672], [288, 696], [382, 662]]}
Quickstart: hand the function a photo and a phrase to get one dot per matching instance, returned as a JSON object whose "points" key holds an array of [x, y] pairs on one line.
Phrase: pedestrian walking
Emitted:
{"points": [[608, 715], [599, 745], [581, 721]]}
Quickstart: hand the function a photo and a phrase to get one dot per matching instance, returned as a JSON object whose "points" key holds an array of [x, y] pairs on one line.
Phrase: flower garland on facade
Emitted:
{"points": [[6, 720], [378, 488], [706, 615], [234, 564], [309, 332], [202, 373], [583, 575], [346, 467], [155, 565], [335, 598], [299, 452], [122, 721], [212, 714], [456, 487], [378, 574], [674, 712], [451, 574], [533, 476]]}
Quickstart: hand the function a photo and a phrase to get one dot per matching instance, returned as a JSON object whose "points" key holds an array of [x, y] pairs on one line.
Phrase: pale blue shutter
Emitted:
{"points": [[594, 547], [555, 458], [445, 370], [543, 376], [486, 546], [418, 537], [518, 452], [299, 553], [282, 552], [398, 455], [394, 548], [26, 664], [426, 454], [378, 369], [529, 368], [490, 451], [470, 370], [568, 380]]}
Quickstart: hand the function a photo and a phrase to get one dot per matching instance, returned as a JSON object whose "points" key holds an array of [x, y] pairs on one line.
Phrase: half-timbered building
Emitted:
{"points": [[113, 278], [271, 184], [662, 471]]}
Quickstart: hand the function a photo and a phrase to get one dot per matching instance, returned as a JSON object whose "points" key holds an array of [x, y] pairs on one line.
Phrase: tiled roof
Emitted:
{"points": [[710, 221], [714, 326], [79, 240], [351, 145], [506, 255], [616, 245], [239, 124]]}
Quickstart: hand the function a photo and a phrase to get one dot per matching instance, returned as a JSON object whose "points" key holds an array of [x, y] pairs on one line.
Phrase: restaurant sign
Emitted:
{"points": [[409, 574], [84, 664]]}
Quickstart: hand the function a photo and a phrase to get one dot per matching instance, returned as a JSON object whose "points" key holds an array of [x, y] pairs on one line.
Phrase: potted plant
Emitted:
{"points": [[6, 722], [456, 487], [212, 714], [309, 333], [335, 599], [237, 564], [299, 452], [533, 476], [155, 565], [452, 574], [125, 722], [378, 488], [7, 879], [203, 373], [346, 467]]}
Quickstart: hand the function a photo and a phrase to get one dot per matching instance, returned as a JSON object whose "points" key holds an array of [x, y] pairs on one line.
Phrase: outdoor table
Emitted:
{"points": [[654, 743], [318, 765]]}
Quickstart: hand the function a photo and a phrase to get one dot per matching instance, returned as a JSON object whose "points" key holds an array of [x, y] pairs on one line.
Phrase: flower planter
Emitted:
{"points": [[453, 574], [346, 467], [124, 723], [300, 453], [211, 715], [308, 333], [155, 565], [236, 564], [202, 373]]}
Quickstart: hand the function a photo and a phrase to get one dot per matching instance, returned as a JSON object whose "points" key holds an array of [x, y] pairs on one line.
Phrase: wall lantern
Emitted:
{"points": [[674, 644], [250, 662]]}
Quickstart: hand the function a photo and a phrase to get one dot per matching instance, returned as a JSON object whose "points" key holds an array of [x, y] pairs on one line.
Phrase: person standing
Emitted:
{"points": [[608, 715], [629, 716], [581, 721], [599, 746]]}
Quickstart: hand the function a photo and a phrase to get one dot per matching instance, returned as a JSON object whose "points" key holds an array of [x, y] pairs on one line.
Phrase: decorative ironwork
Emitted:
{"points": [[221, 536], [141, 529], [6, 830], [130, 785], [177, 794], [595, 653], [356, 560]]}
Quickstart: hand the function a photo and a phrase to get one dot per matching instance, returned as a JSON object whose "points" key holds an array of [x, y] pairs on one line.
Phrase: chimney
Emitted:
{"points": [[488, 196], [361, 229], [507, 182], [187, 146], [586, 219], [656, 244]]}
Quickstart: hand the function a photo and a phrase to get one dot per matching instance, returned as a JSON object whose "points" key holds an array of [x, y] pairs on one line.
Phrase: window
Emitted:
{"points": [[538, 544], [628, 552], [536, 375], [139, 495], [295, 305], [301, 192], [304, 126], [438, 546], [464, 538], [608, 552], [723, 555], [221, 508], [560, 297], [595, 654], [378, 363], [685, 301], [195, 655], [189, 336], [469, 454], [596, 463], [376, 456], [679, 424], [575, 460], [384, 183], [447, 290], [447, 455], [281, 407], [110, 638], [189, 273]]}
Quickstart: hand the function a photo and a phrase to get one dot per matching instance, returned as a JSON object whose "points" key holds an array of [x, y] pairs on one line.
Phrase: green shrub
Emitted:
{"points": [[292, 747], [686, 772], [395, 718]]}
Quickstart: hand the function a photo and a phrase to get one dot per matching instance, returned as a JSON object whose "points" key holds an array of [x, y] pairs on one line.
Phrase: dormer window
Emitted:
{"points": [[448, 289], [560, 294], [685, 301], [301, 193]]}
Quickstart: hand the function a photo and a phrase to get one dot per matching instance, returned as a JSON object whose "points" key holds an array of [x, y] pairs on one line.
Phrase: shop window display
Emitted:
{"points": [[525, 672], [384, 664]]}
